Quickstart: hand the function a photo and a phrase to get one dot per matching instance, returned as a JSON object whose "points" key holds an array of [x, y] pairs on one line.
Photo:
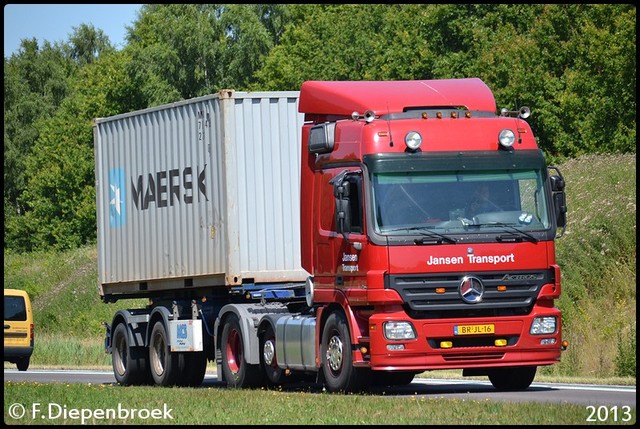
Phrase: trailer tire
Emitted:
{"points": [[193, 367], [268, 359], [512, 379], [130, 365], [164, 365], [237, 372], [336, 353]]}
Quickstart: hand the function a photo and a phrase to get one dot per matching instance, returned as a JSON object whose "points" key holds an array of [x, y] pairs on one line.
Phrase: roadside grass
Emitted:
{"points": [[597, 255], [77, 403]]}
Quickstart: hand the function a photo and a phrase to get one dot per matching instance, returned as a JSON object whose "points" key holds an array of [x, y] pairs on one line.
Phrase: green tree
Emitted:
{"points": [[36, 81], [87, 43], [60, 194], [573, 65]]}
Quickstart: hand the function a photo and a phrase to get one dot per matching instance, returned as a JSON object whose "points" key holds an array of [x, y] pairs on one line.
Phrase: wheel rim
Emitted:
{"points": [[334, 353], [234, 351], [157, 357], [120, 356], [269, 353]]}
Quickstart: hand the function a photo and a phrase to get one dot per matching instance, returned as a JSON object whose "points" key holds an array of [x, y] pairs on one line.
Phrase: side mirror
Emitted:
{"points": [[343, 204], [559, 198], [343, 207], [322, 138]]}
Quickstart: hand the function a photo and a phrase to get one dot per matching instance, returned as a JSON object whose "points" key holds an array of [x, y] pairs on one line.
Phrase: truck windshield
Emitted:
{"points": [[455, 201]]}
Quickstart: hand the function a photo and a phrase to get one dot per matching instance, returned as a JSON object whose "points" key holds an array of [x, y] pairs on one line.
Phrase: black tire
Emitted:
{"points": [[337, 364], [130, 364], [392, 378], [511, 379], [23, 363], [164, 365], [193, 366], [268, 359], [237, 372]]}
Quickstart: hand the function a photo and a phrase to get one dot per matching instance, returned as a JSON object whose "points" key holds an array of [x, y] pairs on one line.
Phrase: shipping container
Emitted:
{"points": [[203, 192]]}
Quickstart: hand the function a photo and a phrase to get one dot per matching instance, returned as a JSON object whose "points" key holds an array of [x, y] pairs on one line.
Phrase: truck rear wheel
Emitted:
{"points": [[237, 372], [164, 364], [337, 363], [130, 365], [510, 379], [268, 359]]}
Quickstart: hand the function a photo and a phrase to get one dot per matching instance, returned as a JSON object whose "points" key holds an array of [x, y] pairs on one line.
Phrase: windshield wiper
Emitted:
{"points": [[424, 230], [510, 228]]}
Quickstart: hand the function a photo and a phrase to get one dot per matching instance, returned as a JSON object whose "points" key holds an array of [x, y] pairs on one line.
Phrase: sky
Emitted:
{"points": [[55, 22]]}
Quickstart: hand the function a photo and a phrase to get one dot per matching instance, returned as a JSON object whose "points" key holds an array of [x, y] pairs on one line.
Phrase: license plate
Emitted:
{"points": [[473, 329]]}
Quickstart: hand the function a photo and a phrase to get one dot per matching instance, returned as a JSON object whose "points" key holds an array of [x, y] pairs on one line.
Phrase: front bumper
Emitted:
{"points": [[437, 347]]}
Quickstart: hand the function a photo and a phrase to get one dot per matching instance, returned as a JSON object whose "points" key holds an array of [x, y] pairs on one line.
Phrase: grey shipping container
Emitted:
{"points": [[203, 192]]}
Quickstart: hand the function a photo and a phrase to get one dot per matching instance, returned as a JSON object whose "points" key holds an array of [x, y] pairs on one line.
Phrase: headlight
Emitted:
{"points": [[413, 140], [506, 138], [543, 325], [399, 331]]}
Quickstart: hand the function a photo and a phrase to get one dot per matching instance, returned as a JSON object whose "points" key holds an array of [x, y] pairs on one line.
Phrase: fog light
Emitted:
{"points": [[500, 343], [543, 325], [446, 344], [413, 140], [506, 137], [394, 347], [545, 341]]}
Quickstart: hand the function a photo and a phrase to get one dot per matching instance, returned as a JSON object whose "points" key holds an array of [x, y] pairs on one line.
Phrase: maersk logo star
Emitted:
{"points": [[117, 212]]}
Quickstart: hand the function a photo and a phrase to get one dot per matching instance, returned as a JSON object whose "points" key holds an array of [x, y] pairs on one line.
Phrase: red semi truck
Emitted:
{"points": [[354, 232]]}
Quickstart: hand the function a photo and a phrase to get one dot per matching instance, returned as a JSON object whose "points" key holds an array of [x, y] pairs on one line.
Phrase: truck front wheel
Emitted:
{"points": [[164, 364], [237, 372], [336, 354], [510, 379], [130, 365]]}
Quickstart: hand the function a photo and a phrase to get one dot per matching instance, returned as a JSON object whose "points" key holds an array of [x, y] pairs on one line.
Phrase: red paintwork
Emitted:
{"points": [[361, 291], [418, 355], [345, 97]]}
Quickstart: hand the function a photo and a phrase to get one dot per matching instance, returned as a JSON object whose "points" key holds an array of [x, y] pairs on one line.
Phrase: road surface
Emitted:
{"points": [[468, 389]]}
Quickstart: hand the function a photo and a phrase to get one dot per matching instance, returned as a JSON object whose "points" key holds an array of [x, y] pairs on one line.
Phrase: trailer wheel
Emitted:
{"points": [[164, 364], [193, 367], [268, 359], [336, 354], [237, 372], [510, 379], [130, 365]]}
